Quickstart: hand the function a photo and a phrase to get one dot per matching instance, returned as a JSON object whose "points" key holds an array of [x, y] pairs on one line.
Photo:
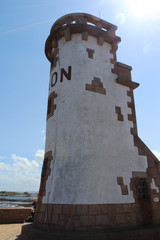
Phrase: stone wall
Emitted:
{"points": [[97, 217], [14, 215]]}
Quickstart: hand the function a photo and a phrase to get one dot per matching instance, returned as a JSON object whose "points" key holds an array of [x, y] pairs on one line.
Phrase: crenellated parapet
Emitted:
{"points": [[81, 23]]}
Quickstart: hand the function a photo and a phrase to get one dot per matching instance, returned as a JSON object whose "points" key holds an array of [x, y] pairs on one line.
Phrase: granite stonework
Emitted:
{"points": [[99, 180]]}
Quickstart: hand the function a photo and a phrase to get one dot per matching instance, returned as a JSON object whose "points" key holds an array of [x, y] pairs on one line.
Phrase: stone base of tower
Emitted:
{"points": [[94, 222], [30, 232]]}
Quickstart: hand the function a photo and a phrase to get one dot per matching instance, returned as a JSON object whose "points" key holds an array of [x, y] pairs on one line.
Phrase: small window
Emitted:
{"points": [[142, 188], [49, 107]]}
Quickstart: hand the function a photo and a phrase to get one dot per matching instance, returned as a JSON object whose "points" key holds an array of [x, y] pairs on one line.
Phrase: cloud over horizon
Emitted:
{"points": [[21, 174]]}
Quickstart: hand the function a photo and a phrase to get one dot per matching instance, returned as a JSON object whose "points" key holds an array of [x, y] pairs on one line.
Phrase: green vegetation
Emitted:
{"points": [[25, 194], [5, 193]]}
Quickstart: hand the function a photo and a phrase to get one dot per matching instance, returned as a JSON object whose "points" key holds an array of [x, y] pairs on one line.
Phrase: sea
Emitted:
{"points": [[16, 202]]}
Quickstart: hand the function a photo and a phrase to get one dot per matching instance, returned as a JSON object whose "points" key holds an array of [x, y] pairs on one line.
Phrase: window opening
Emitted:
{"points": [[49, 106], [142, 188]]}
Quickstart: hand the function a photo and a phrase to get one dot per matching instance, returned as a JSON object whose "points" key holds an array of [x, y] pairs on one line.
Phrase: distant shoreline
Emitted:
{"points": [[14, 199], [16, 194], [17, 200]]}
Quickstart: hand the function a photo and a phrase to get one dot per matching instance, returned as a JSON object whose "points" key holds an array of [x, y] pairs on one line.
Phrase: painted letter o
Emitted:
{"points": [[52, 78]]}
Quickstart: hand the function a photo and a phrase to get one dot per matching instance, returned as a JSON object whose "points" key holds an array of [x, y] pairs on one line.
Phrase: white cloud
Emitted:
{"points": [[39, 155], [21, 174], [156, 153], [4, 166], [21, 163]]}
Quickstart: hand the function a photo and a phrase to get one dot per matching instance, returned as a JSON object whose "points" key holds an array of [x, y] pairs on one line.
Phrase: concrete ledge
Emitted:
{"points": [[29, 232], [14, 215], [127, 83]]}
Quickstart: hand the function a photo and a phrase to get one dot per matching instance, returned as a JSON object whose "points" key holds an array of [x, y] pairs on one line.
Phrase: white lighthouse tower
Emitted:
{"points": [[97, 174]]}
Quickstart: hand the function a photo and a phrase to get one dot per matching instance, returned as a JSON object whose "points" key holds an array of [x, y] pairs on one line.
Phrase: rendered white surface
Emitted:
{"points": [[90, 146], [156, 199], [153, 186]]}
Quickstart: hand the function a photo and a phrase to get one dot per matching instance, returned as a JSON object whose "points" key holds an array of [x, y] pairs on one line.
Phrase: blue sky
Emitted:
{"points": [[24, 69]]}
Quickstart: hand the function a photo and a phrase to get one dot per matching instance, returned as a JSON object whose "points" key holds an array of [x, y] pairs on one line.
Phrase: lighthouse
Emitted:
{"points": [[98, 176]]}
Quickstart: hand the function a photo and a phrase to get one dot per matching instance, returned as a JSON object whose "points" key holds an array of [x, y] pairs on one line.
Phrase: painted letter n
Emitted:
{"points": [[64, 73]]}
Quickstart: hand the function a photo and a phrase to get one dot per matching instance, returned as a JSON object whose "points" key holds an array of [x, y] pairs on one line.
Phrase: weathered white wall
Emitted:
{"points": [[90, 146]]}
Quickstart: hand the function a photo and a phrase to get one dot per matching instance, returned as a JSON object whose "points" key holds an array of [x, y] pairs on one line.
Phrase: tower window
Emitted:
{"points": [[142, 188], [49, 106], [90, 52]]}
